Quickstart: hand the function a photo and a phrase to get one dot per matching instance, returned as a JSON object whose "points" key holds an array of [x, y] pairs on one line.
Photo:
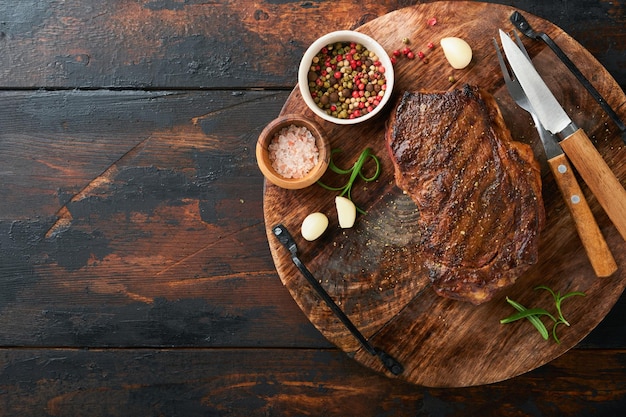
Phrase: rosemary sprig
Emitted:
{"points": [[356, 171], [533, 314], [558, 300]]}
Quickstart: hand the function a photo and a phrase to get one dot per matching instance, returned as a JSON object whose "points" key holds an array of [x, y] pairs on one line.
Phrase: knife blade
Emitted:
{"points": [[573, 140]]}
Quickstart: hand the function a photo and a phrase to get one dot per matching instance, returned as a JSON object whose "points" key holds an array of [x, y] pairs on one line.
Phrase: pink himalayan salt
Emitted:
{"points": [[293, 152]]}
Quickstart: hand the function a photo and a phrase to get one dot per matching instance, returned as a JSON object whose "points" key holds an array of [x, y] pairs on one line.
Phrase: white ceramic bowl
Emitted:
{"points": [[344, 36]]}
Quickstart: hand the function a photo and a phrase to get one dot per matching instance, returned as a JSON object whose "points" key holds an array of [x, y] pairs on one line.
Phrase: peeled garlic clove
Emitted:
{"points": [[457, 52], [314, 226], [346, 212]]}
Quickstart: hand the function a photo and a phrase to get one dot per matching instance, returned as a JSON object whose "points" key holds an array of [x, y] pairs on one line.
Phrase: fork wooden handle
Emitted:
{"points": [[596, 247], [598, 176]]}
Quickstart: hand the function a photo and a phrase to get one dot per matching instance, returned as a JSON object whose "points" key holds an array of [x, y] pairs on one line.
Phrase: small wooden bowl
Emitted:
{"points": [[263, 159]]}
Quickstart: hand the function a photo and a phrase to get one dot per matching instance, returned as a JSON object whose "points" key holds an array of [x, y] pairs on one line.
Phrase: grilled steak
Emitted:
{"points": [[477, 190]]}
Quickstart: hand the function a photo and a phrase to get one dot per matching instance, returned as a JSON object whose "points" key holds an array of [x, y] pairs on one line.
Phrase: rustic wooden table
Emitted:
{"points": [[135, 268]]}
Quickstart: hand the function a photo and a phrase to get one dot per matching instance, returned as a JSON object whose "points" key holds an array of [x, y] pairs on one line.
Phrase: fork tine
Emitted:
{"points": [[521, 44], [503, 67], [512, 85]]}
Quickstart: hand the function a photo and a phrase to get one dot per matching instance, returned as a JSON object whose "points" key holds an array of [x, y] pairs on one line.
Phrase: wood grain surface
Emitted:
{"points": [[135, 268], [192, 382], [591, 237], [374, 271]]}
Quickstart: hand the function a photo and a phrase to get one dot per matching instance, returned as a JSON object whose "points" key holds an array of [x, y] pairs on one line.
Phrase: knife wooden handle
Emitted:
{"points": [[597, 250], [598, 176]]}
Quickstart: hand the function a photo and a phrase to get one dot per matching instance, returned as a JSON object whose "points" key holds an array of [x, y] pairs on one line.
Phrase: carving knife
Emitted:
{"points": [[573, 140], [598, 251]]}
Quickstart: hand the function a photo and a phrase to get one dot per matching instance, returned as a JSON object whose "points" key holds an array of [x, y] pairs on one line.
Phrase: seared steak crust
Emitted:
{"points": [[477, 190]]}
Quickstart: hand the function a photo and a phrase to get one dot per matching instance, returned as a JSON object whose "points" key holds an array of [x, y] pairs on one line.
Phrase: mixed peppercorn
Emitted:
{"points": [[346, 80]]}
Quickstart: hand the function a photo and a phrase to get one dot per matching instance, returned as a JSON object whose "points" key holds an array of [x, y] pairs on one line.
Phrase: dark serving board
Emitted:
{"points": [[370, 270]]}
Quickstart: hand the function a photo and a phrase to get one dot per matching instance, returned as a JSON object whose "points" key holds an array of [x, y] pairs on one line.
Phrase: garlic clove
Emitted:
{"points": [[314, 225], [346, 212], [457, 52]]}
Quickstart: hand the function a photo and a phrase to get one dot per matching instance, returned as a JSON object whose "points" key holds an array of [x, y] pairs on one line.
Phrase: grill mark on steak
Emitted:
{"points": [[477, 190]]}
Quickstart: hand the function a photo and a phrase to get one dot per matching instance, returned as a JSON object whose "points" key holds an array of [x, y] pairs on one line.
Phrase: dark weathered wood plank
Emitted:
{"points": [[135, 219], [225, 44], [260, 382], [53, 144]]}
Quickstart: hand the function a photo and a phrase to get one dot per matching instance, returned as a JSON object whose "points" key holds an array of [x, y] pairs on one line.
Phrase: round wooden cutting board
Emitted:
{"points": [[370, 270]]}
